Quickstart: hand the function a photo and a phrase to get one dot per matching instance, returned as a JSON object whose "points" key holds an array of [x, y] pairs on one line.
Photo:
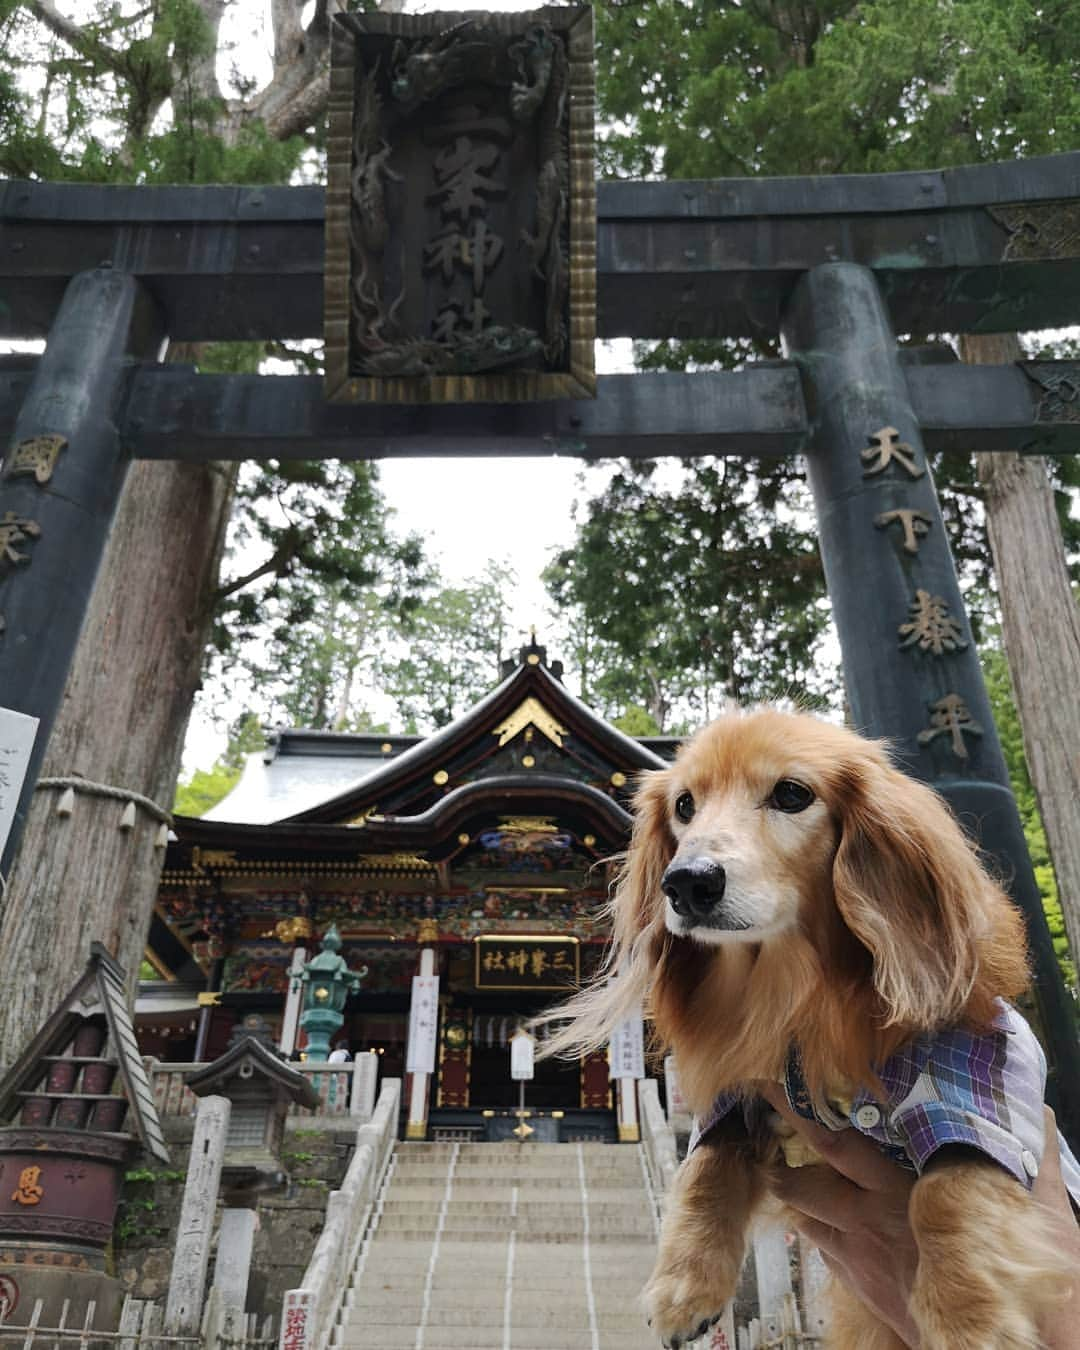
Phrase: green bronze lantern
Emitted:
{"points": [[328, 982]]}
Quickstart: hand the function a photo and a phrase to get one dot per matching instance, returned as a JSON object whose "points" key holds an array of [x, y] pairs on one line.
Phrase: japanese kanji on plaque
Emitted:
{"points": [[526, 963], [460, 208]]}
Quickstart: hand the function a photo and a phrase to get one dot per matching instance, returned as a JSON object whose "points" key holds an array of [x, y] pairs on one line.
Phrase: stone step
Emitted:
{"points": [[467, 1338]]}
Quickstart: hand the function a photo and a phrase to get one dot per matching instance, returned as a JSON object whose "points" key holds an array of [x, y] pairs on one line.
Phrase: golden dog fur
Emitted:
{"points": [[871, 920]]}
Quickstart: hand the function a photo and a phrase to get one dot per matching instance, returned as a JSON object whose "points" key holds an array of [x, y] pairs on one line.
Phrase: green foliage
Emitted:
{"points": [[1007, 721], [637, 721], [697, 592], [456, 640], [718, 88]]}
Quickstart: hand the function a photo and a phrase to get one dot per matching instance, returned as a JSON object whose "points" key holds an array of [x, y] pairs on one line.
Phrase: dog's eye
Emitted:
{"points": [[684, 806], [789, 796]]}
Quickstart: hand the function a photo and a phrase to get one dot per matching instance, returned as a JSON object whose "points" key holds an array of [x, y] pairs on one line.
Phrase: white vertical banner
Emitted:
{"points": [[628, 1047], [521, 1056], [17, 734], [676, 1102], [423, 1024]]}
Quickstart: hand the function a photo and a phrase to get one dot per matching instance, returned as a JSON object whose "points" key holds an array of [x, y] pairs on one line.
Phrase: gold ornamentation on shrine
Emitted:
{"points": [[292, 929], [202, 858], [394, 862], [29, 1191], [915, 524], [530, 713], [884, 448], [37, 455], [950, 716], [931, 627], [528, 825]]}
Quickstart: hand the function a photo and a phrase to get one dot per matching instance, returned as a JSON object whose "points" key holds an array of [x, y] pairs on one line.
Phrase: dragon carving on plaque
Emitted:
{"points": [[461, 208]]}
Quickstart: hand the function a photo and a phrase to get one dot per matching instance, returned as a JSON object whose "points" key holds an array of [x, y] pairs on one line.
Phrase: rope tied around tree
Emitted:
{"points": [[92, 789]]}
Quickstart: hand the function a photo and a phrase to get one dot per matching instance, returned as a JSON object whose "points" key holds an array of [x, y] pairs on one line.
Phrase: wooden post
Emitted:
{"points": [[61, 481], [889, 568]]}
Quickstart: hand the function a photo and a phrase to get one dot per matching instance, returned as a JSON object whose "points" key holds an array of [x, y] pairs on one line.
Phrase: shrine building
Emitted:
{"points": [[479, 854]]}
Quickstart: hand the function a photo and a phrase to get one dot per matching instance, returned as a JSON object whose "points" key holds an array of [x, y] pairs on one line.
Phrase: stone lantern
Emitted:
{"points": [[327, 982]]}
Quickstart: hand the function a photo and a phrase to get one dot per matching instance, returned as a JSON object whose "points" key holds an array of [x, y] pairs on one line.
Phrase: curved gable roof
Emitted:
{"points": [[595, 752]]}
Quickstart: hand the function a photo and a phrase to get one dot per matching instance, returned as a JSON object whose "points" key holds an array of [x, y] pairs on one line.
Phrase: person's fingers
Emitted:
{"points": [[857, 1158], [822, 1194], [1049, 1180], [828, 1240]]}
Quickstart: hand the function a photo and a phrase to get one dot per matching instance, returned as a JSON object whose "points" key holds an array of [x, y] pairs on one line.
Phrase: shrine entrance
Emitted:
{"points": [[834, 268]]}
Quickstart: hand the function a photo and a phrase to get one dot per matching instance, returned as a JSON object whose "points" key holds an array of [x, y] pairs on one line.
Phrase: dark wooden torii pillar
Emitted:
{"points": [[911, 667]]}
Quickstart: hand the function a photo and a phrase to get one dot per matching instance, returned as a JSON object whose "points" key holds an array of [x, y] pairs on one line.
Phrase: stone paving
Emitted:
{"points": [[507, 1247]]}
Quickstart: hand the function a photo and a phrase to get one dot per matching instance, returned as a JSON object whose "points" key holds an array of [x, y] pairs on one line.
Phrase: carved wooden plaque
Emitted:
{"points": [[461, 208]]}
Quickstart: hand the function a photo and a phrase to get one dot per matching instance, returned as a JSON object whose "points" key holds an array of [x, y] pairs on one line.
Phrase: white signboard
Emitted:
{"points": [[628, 1048], [17, 732], [521, 1056], [423, 1024], [676, 1102]]}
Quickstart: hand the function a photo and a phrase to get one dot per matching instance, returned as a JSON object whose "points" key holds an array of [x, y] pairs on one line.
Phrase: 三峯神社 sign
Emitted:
{"points": [[460, 208]]}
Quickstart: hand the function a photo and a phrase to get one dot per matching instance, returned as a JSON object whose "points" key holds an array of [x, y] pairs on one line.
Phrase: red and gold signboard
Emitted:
{"points": [[504, 962]]}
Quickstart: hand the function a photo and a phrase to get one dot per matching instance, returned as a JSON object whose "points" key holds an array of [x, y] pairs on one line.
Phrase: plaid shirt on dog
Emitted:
{"points": [[985, 1091]]}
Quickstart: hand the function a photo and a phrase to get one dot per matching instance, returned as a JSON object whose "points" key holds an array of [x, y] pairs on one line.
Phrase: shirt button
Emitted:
{"points": [[867, 1116], [1031, 1163]]}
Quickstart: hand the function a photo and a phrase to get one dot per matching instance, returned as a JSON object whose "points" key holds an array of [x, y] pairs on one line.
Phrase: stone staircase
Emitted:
{"points": [[506, 1247]]}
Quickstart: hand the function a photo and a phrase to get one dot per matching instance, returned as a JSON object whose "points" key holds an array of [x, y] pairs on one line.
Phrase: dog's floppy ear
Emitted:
{"points": [[910, 887], [638, 898]]}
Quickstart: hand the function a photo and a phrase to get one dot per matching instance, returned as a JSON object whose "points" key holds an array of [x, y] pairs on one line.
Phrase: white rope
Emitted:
{"points": [[91, 789]]}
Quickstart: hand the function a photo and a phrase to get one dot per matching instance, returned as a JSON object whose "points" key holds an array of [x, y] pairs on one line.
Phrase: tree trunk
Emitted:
{"points": [[82, 878], [1041, 630]]}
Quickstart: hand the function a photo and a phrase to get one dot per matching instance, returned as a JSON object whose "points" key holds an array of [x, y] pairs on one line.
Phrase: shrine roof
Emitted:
{"points": [[299, 769], [326, 778]]}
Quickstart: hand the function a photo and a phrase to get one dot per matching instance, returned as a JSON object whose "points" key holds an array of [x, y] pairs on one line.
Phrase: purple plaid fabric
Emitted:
{"points": [[985, 1091]]}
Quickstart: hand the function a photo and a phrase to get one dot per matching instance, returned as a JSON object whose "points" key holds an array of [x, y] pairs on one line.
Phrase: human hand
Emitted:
{"points": [[1061, 1329], [855, 1211]]}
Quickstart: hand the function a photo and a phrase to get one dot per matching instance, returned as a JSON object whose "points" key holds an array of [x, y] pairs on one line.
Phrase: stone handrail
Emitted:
{"points": [[658, 1138], [310, 1311], [344, 1089]]}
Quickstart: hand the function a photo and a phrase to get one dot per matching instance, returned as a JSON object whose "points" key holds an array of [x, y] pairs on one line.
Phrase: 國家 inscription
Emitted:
{"points": [[37, 456]]}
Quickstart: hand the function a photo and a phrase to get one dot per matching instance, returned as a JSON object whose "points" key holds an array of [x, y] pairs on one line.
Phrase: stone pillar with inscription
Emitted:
{"points": [[187, 1283], [911, 667]]}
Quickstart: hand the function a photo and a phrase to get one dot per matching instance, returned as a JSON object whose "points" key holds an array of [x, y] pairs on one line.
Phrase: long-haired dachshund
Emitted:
{"points": [[794, 909]]}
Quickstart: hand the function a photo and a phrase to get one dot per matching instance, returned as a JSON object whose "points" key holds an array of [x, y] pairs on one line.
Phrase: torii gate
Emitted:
{"points": [[834, 266]]}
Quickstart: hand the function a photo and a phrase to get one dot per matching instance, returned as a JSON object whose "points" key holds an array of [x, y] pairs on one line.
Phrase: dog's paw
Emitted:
{"points": [[679, 1310]]}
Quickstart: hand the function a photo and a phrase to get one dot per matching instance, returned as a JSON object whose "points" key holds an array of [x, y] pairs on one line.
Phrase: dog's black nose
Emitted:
{"points": [[694, 888]]}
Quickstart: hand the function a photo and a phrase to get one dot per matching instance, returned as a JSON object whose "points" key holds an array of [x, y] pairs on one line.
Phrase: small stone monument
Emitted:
{"points": [[244, 1097]]}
